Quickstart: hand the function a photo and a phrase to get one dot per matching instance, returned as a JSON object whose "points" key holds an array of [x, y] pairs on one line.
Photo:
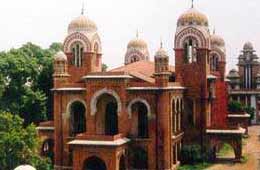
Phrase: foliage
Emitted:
{"points": [[250, 111], [190, 154], [235, 106], [104, 67], [225, 149], [18, 145], [199, 166], [26, 80]]}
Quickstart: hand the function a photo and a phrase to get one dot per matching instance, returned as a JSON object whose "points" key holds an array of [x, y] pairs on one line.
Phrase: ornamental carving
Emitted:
{"points": [[190, 32], [77, 37]]}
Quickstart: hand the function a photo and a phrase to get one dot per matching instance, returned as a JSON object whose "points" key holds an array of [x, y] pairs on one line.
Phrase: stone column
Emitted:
{"points": [[253, 104]]}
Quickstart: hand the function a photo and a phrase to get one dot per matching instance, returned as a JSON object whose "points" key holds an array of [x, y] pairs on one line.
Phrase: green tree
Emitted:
{"points": [[26, 80], [19, 145], [104, 67]]}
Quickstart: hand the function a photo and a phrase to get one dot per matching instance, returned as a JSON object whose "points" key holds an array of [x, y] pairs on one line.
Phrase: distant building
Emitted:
{"points": [[244, 84], [138, 116]]}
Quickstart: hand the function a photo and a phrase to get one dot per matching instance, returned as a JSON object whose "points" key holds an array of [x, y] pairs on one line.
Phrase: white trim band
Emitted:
{"points": [[107, 77], [117, 142], [239, 115], [69, 89], [157, 88], [226, 131], [44, 128]]}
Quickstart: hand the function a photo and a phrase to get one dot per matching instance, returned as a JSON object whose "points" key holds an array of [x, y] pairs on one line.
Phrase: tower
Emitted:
{"points": [[82, 47], [137, 50], [60, 75]]}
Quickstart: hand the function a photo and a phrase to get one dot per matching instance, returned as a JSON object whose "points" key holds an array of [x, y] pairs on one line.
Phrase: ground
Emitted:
{"points": [[251, 152]]}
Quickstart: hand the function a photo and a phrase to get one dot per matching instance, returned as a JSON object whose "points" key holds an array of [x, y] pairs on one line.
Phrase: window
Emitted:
{"points": [[77, 52], [77, 118], [190, 51], [214, 63]]}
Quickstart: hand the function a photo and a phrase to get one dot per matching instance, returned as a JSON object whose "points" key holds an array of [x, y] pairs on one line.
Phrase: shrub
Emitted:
{"points": [[235, 106], [190, 154], [250, 111]]}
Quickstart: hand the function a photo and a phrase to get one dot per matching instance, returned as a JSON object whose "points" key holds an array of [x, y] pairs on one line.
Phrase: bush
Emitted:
{"points": [[235, 106], [190, 154], [250, 111]]}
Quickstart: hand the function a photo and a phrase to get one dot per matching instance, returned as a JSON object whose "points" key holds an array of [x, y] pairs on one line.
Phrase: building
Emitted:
{"points": [[245, 83], [139, 115]]}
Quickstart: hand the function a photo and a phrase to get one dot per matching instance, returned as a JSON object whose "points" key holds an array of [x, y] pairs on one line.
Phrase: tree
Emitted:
{"points": [[19, 145], [26, 80], [104, 67]]}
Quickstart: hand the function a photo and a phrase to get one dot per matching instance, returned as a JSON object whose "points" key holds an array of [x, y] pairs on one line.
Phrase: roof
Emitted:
{"points": [[145, 68]]}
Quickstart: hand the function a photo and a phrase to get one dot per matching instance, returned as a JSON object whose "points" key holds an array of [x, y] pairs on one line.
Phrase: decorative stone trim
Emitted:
{"points": [[117, 142], [226, 131], [244, 92], [211, 77], [69, 89], [157, 88], [239, 115], [45, 128], [141, 100], [94, 99], [107, 77]]}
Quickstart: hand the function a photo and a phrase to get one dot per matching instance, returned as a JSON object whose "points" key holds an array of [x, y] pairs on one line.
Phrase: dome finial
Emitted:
{"points": [[137, 33], [161, 43], [83, 8], [192, 3]]}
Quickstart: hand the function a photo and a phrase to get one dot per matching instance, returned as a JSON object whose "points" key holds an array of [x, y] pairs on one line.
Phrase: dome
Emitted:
{"points": [[248, 46], [192, 17], [161, 53], [217, 40], [82, 24], [60, 56], [137, 43], [233, 74], [25, 167]]}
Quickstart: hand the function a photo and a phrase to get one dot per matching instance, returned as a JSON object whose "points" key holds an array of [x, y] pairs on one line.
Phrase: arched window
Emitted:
{"points": [[140, 120], [134, 59], [107, 115], [214, 63], [94, 163], [48, 149], [190, 51], [77, 52], [77, 118]]}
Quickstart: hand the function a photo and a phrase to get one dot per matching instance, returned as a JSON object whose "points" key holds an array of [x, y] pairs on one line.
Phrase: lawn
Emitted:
{"points": [[199, 166]]}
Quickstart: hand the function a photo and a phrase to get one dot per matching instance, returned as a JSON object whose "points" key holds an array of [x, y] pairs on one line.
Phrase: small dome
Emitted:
{"points": [[60, 56], [217, 40], [82, 24], [248, 46], [192, 17], [233, 74], [137, 43], [161, 53], [25, 167]]}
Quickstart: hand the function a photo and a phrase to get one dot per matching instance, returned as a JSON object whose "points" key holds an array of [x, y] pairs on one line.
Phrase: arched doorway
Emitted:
{"points": [[107, 116], [48, 149], [94, 163], [139, 158], [77, 118], [140, 120], [122, 163]]}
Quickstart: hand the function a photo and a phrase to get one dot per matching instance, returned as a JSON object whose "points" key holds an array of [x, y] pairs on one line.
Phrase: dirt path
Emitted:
{"points": [[251, 150]]}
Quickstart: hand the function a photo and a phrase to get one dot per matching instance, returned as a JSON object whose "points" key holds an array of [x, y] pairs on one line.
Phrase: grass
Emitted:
{"points": [[226, 148], [198, 166]]}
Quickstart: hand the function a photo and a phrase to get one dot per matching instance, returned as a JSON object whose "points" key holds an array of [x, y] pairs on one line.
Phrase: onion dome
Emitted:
{"points": [[161, 53], [233, 74], [60, 56], [192, 17], [82, 24], [217, 40], [248, 46], [137, 43], [25, 167]]}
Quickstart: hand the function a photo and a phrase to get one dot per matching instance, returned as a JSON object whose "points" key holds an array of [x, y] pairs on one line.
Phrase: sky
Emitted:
{"points": [[45, 21]]}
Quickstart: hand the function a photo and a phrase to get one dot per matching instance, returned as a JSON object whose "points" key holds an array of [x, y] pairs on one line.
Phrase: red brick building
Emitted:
{"points": [[139, 115]]}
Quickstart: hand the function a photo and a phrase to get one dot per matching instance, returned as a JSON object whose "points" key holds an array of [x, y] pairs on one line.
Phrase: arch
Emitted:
{"points": [[94, 99], [219, 53], [47, 149], [191, 32], [133, 52], [141, 100], [77, 117], [122, 162], [96, 41], [139, 158], [94, 163], [76, 37]]}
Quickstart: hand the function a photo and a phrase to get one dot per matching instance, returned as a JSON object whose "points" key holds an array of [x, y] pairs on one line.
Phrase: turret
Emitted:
{"points": [[60, 74]]}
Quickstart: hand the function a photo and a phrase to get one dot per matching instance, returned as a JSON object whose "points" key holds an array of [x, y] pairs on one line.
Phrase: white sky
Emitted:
{"points": [[45, 21]]}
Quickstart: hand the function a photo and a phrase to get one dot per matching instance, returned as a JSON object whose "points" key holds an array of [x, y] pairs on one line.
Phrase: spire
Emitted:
{"points": [[161, 43], [137, 33], [83, 8], [192, 3], [214, 30]]}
